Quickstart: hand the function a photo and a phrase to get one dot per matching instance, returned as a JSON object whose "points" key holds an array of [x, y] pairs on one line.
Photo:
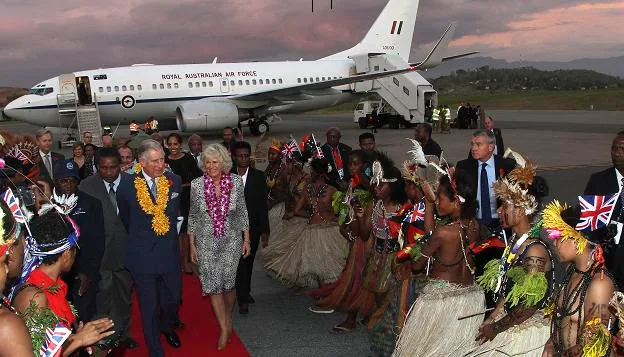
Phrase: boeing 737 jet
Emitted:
{"points": [[199, 97]]}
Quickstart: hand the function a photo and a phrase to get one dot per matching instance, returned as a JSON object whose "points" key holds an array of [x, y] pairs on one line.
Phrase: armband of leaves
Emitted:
{"points": [[489, 279], [596, 338], [37, 320]]}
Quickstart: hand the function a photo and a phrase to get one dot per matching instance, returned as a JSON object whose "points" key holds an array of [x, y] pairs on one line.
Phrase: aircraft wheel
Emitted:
{"points": [[262, 127]]}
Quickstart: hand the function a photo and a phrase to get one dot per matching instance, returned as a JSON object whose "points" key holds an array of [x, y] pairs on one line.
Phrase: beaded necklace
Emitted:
{"points": [[314, 196], [572, 294]]}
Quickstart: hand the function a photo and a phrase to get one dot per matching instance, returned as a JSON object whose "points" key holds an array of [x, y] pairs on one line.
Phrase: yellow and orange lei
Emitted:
{"points": [[160, 221]]}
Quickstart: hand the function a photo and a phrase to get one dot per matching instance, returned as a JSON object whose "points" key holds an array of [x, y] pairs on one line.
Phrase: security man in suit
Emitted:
{"points": [[499, 146], [86, 211], [608, 182], [114, 298], [256, 199], [47, 158], [152, 250], [337, 154], [479, 172]]}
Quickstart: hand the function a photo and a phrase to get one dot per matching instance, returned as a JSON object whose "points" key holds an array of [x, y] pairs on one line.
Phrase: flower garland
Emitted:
{"points": [[218, 207], [160, 221]]}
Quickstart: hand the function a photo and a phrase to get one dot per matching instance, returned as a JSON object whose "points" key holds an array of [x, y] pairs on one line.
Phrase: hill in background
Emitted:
{"points": [[7, 94], [613, 66]]}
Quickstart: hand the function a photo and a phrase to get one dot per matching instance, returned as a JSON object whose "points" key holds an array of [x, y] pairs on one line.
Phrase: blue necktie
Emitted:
{"points": [[154, 189], [486, 210]]}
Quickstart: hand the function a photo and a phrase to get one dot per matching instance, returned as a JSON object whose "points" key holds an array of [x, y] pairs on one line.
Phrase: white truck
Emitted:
{"points": [[363, 114]]}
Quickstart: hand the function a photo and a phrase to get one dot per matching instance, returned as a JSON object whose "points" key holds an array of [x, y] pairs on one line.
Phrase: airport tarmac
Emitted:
{"points": [[567, 145]]}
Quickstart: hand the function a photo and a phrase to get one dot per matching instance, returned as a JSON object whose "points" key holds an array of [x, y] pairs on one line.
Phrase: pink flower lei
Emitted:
{"points": [[218, 207]]}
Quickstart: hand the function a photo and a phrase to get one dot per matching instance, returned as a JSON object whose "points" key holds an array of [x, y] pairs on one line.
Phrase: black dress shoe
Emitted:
{"points": [[173, 339], [130, 343], [251, 300], [243, 309]]}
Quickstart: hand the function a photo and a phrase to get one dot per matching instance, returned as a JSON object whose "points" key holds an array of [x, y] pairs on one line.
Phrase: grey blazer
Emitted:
{"points": [[115, 234]]}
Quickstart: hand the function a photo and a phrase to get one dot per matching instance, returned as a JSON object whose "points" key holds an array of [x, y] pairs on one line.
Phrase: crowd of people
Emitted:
{"points": [[432, 258]]}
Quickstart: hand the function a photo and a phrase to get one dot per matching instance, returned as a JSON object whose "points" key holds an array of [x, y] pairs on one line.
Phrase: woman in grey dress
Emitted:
{"points": [[218, 229]]}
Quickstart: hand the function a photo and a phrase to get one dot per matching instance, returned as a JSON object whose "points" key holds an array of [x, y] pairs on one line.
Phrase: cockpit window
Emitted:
{"points": [[41, 90]]}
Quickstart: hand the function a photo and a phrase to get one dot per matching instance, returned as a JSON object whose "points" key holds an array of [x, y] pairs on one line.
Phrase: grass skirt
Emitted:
{"points": [[280, 242], [385, 331], [527, 340], [432, 328], [313, 257], [343, 294]]}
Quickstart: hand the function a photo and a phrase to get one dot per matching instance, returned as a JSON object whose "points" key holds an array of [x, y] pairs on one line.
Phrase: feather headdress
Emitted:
{"points": [[557, 228], [422, 167], [514, 189], [378, 174], [276, 145]]}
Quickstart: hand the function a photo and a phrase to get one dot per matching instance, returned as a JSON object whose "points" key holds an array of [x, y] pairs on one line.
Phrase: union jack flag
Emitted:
{"points": [[417, 214], [54, 341], [291, 148], [14, 206], [595, 212]]}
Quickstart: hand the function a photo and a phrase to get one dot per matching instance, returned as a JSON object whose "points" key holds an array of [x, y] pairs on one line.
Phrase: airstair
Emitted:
{"points": [[409, 94], [84, 117]]}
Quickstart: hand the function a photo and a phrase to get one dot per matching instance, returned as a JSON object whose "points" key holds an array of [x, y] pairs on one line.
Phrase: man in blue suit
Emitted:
{"points": [[149, 204]]}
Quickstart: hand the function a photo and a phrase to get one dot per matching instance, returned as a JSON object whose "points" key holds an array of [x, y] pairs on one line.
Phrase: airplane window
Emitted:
{"points": [[247, 82], [396, 81], [108, 89], [406, 91], [190, 84], [232, 83], [280, 81], [317, 79], [139, 87], [116, 88], [123, 88], [266, 81], [161, 86], [260, 80], [168, 85], [210, 84], [154, 86], [298, 80], [273, 80], [197, 84], [132, 87], [47, 91], [101, 89], [311, 79], [376, 68], [240, 82], [323, 78], [175, 85], [253, 81], [305, 80]]}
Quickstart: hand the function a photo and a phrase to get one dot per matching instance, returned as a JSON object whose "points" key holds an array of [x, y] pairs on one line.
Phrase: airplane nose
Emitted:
{"points": [[11, 109]]}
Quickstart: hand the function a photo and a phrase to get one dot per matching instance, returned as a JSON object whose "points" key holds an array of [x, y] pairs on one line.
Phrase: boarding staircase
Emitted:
{"points": [[409, 94], [85, 117]]}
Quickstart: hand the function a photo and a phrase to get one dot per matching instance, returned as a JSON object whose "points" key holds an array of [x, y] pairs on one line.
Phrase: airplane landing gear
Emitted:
{"points": [[259, 127]]}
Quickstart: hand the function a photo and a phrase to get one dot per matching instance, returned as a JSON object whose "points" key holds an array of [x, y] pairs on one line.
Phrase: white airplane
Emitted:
{"points": [[199, 97]]}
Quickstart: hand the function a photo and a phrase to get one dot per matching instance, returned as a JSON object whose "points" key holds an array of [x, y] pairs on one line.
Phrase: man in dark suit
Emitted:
{"points": [[114, 297], [337, 154], [422, 134], [479, 172], [499, 146], [86, 211], [152, 253], [47, 158], [256, 199], [608, 182]]}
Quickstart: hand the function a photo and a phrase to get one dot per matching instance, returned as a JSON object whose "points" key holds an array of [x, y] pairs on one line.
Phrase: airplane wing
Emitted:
{"points": [[305, 91]]}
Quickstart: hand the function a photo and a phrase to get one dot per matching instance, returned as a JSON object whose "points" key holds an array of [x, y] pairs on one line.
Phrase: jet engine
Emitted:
{"points": [[205, 115]]}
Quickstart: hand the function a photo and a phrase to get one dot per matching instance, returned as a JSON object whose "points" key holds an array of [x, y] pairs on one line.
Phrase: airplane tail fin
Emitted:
{"points": [[392, 32]]}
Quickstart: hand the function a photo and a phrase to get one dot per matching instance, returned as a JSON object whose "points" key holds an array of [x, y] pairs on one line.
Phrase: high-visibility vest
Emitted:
{"points": [[447, 114], [436, 115]]}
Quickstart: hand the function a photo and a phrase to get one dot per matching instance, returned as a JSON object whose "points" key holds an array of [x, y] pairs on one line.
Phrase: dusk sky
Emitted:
{"points": [[39, 39]]}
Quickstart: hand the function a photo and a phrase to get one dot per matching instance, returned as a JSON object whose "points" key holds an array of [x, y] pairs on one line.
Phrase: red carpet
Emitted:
{"points": [[200, 333]]}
